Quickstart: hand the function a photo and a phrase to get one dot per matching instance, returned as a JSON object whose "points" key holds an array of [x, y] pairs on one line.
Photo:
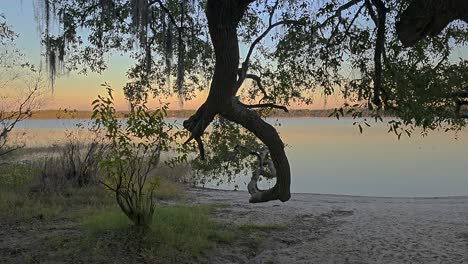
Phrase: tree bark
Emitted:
{"points": [[223, 19], [268, 135], [424, 18]]}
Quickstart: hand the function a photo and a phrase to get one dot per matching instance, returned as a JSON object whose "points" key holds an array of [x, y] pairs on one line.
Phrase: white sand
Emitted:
{"points": [[345, 229]]}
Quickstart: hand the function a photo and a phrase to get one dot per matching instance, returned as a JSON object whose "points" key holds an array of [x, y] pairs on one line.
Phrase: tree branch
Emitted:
{"points": [[247, 2], [346, 32], [266, 105], [197, 124], [339, 10], [265, 33], [379, 50], [271, 26], [269, 136], [166, 10], [371, 12], [245, 64], [258, 80]]}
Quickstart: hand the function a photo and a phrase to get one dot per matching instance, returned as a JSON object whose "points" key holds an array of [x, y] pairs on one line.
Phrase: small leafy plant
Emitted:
{"points": [[135, 147]]}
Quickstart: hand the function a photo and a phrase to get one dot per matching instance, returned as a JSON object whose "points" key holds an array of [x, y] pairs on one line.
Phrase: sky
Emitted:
{"points": [[72, 90], [76, 91]]}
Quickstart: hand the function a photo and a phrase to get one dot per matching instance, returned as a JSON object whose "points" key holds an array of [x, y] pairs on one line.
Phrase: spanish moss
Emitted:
{"points": [[168, 51], [181, 58], [140, 19]]}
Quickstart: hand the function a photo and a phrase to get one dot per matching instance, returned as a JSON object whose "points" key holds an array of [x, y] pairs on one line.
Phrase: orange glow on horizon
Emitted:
{"points": [[76, 91]]}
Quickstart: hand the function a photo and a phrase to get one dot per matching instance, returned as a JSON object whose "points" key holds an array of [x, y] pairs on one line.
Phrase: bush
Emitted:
{"points": [[134, 153], [77, 164]]}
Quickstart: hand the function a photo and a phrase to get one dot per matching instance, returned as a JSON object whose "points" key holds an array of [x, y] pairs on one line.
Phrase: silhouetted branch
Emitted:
{"points": [[258, 80], [271, 26], [166, 10], [339, 10], [267, 105], [379, 50]]}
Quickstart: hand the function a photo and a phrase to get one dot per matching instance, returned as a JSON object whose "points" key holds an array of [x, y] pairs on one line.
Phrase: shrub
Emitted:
{"points": [[135, 145], [77, 164]]}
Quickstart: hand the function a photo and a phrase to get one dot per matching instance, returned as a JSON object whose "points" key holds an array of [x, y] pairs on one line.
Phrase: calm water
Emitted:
{"points": [[331, 156]]}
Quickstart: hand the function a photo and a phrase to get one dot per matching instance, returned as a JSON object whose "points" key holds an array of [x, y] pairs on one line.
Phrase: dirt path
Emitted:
{"points": [[344, 229]]}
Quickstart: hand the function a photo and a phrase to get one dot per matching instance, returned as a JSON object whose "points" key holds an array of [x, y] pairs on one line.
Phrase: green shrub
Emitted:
{"points": [[134, 153]]}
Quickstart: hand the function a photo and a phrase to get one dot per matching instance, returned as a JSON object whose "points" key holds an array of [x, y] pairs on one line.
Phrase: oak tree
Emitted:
{"points": [[253, 54]]}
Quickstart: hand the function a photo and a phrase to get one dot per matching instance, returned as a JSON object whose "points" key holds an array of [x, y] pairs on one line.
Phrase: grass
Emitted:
{"points": [[183, 231], [22, 200], [20, 208], [169, 190], [16, 202], [15, 176], [85, 225]]}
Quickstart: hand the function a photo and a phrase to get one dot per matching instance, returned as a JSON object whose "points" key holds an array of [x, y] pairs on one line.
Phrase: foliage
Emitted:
{"points": [[221, 157], [134, 152], [290, 51], [330, 46]]}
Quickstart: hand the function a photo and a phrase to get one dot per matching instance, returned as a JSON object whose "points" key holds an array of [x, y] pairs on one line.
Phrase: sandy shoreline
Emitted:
{"points": [[323, 228]]}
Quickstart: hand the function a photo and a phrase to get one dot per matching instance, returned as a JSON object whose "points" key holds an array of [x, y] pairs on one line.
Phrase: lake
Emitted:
{"points": [[331, 156]]}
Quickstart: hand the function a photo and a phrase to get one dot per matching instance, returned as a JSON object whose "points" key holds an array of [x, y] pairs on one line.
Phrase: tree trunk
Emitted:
{"points": [[424, 18], [223, 19], [268, 135]]}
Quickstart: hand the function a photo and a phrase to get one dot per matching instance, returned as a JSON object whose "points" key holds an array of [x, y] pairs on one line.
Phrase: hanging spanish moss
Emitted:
{"points": [[54, 46], [181, 58], [148, 59], [140, 19], [168, 51], [55, 57]]}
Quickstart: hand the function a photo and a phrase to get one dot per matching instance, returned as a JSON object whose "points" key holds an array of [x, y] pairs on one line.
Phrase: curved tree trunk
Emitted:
{"points": [[268, 135], [223, 19]]}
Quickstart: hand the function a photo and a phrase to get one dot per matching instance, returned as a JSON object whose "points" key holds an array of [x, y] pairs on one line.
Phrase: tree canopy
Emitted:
{"points": [[254, 54]]}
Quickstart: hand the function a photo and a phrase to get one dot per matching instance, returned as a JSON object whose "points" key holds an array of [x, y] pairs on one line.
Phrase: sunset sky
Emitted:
{"points": [[78, 91]]}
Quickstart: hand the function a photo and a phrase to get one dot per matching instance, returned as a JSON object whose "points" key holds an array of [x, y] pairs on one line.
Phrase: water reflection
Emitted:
{"points": [[331, 156]]}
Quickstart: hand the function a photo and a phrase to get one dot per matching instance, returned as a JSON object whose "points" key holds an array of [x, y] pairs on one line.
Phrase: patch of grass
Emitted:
{"points": [[183, 231], [169, 190], [105, 221], [20, 202], [186, 228], [21, 207], [88, 197], [16, 176]]}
